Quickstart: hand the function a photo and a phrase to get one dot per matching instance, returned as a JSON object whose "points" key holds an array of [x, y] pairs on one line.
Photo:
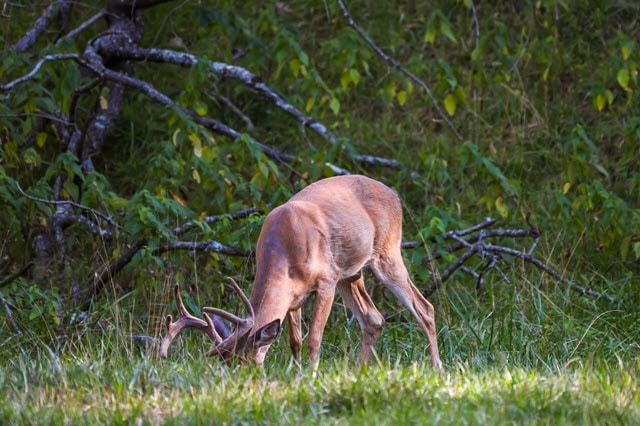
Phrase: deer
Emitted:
{"points": [[317, 243]]}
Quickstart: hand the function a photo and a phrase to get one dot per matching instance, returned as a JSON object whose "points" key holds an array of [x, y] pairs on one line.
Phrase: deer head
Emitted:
{"points": [[318, 242]]}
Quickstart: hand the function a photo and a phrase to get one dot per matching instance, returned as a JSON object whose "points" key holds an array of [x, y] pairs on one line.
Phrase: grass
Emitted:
{"points": [[518, 354], [89, 389]]}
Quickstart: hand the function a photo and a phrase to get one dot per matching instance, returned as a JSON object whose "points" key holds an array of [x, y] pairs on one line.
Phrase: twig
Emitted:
{"points": [[537, 263], [213, 219], [95, 212], [476, 23], [225, 101], [86, 24], [390, 61], [15, 275], [36, 68], [526, 42]]}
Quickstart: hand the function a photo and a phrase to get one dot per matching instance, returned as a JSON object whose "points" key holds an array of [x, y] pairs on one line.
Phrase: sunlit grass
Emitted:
{"points": [[141, 389], [513, 355]]}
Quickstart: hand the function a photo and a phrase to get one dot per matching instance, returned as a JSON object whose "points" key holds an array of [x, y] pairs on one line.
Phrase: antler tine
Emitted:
{"points": [[224, 314], [245, 300], [185, 320]]}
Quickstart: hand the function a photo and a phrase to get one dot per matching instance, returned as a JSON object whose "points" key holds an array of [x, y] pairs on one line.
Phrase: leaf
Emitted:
{"points": [[445, 28], [41, 138], [334, 104], [636, 250], [295, 65], [402, 97], [623, 78], [626, 52], [197, 144], [600, 102], [566, 187], [450, 104], [200, 108], [196, 176], [174, 138], [355, 76], [345, 79], [104, 104], [310, 103], [430, 35], [608, 94], [181, 200], [501, 206]]}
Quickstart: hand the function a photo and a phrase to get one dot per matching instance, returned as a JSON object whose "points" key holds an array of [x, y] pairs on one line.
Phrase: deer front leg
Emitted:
{"points": [[294, 318], [321, 311]]}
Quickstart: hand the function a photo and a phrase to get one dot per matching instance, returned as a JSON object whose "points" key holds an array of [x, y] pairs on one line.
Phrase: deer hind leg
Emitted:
{"points": [[392, 272], [294, 318], [371, 321]]}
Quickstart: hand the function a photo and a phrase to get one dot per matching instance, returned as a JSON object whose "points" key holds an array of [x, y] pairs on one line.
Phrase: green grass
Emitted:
{"points": [[114, 389], [518, 354]]}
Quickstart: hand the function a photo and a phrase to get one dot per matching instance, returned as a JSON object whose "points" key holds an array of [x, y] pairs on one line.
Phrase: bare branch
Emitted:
{"points": [[30, 38], [95, 212], [36, 68], [254, 83], [210, 246], [213, 219], [476, 245], [83, 26], [390, 61], [538, 264]]}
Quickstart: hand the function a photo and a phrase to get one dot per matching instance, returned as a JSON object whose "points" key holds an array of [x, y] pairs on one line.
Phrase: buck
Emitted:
{"points": [[318, 242]]}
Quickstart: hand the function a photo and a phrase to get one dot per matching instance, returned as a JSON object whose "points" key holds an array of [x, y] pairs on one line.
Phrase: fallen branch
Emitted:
{"points": [[473, 241]]}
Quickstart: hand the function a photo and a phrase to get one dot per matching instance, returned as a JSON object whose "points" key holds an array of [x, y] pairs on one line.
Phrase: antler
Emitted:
{"points": [[235, 343], [224, 346], [231, 317], [186, 320]]}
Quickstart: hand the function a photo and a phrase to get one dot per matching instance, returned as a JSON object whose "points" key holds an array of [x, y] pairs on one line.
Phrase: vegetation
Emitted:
{"points": [[117, 181]]}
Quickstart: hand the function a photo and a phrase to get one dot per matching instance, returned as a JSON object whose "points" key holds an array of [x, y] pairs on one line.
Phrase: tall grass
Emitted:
{"points": [[526, 352]]}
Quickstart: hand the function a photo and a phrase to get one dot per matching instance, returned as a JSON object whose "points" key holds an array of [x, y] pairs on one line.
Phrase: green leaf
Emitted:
{"points": [[402, 97], [450, 104], [430, 34], [345, 79], [334, 104], [445, 28], [502, 207], [310, 103], [626, 52], [355, 76], [623, 78], [200, 108]]}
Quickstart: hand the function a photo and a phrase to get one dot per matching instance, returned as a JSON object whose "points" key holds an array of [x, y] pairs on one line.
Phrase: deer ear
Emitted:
{"points": [[267, 334]]}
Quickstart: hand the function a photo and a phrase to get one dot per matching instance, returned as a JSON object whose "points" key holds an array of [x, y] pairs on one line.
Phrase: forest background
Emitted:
{"points": [[142, 143]]}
